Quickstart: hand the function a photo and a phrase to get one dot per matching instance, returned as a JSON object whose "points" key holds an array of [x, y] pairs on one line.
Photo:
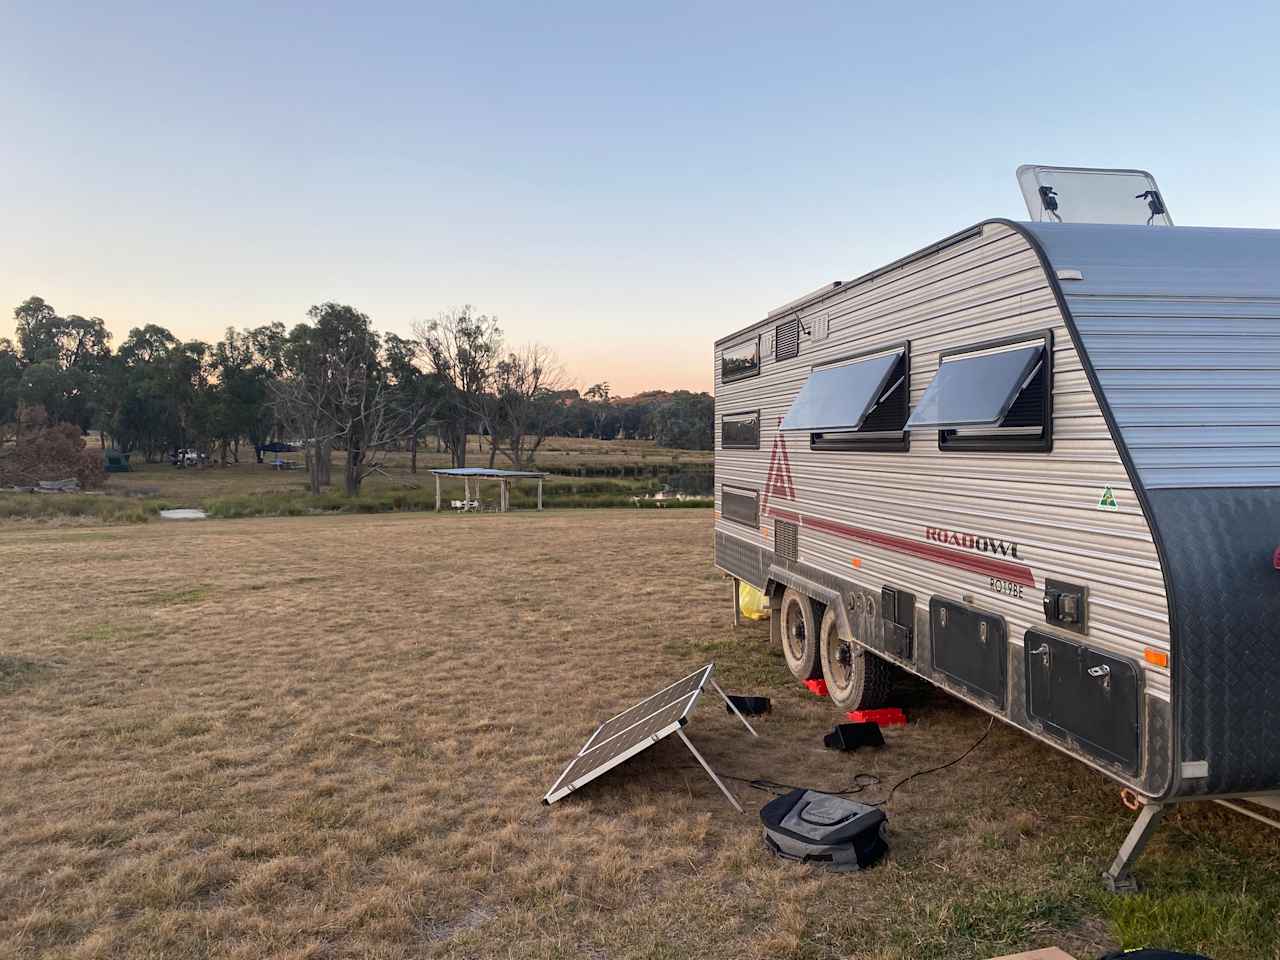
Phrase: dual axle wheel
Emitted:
{"points": [[813, 648]]}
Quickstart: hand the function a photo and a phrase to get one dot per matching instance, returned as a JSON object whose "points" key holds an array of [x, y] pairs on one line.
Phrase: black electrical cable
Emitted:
{"points": [[861, 781], [950, 763]]}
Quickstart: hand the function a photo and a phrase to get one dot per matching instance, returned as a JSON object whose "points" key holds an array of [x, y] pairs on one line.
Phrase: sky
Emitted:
{"points": [[621, 182]]}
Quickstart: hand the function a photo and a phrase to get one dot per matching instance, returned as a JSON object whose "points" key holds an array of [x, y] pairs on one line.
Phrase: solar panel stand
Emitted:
{"points": [[711, 773], [733, 706]]}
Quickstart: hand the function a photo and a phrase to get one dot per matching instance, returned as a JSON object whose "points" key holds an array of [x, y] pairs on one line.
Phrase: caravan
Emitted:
{"points": [[1037, 464]]}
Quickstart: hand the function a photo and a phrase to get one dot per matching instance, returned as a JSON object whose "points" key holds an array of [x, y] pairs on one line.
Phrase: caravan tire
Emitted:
{"points": [[799, 636], [856, 679]]}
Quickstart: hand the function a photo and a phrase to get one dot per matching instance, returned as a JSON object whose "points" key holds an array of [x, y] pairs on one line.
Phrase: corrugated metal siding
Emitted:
{"points": [[982, 287], [1182, 326]]}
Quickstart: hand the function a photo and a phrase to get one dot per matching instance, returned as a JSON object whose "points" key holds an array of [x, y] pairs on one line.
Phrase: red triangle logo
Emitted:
{"points": [[778, 483]]}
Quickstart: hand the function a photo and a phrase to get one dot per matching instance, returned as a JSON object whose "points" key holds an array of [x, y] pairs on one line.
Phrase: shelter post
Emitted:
{"points": [[539, 493], [437, 493]]}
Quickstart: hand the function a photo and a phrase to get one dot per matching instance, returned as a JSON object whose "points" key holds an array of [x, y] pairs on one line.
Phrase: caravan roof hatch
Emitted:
{"points": [[1091, 195]]}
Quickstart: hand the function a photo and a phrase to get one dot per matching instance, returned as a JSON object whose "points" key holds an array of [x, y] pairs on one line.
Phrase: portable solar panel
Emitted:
{"points": [[623, 736]]}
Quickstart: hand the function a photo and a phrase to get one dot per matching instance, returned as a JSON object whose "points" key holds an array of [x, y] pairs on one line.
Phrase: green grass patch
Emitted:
{"points": [[166, 598], [557, 494], [1231, 925], [16, 672], [95, 507], [580, 488]]}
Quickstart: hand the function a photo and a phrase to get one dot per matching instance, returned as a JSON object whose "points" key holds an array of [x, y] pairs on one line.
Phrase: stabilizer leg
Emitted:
{"points": [[1118, 878]]}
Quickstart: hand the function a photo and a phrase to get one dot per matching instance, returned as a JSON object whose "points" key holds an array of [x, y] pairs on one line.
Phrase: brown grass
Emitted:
{"points": [[328, 737]]}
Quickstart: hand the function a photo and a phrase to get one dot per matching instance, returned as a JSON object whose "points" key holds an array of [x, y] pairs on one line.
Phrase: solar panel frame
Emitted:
{"points": [[625, 734]]}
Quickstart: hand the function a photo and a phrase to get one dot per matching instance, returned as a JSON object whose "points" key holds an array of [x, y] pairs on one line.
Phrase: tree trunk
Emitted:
{"points": [[458, 446], [413, 453], [313, 467], [325, 451], [351, 475]]}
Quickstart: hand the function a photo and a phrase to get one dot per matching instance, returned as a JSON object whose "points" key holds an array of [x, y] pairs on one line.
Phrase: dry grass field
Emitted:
{"points": [[328, 737]]}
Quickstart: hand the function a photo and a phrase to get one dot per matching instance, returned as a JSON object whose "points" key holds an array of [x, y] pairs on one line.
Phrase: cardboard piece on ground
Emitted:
{"points": [[1049, 953]]}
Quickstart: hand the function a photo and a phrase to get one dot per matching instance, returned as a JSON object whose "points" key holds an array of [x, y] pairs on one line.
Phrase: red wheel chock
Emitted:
{"points": [[885, 716]]}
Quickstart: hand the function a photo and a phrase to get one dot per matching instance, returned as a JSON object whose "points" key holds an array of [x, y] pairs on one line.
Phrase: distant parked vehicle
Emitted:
{"points": [[187, 458]]}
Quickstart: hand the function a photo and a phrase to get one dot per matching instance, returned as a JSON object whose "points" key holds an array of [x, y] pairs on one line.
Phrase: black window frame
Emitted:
{"points": [[725, 445], [745, 374], [949, 441], [872, 441]]}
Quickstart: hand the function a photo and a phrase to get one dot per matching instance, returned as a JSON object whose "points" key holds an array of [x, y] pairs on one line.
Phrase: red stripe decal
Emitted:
{"points": [[989, 566]]}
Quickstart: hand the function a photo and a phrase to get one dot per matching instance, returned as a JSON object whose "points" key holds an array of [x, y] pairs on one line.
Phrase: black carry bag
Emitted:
{"points": [[1152, 955], [825, 830]]}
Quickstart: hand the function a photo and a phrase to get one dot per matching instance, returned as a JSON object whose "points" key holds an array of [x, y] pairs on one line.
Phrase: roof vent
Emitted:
{"points": [[1092, 195]]}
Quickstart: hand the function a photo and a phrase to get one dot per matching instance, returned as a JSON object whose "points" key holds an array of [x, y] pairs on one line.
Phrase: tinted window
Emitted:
{"points": [[976, 391], [840, 396], [740, 506], [740, 361], [740, 430]]}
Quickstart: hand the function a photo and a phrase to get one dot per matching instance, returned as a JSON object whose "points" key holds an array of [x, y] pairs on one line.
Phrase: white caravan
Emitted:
{"points": [[1037, 464]]}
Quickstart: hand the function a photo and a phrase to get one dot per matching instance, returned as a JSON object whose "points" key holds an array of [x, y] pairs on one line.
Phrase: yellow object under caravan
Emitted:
{"points": [[1037, 464]]}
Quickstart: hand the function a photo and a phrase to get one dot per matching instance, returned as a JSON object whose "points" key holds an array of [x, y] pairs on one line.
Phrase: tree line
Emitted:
{"points": [[331, 383]]}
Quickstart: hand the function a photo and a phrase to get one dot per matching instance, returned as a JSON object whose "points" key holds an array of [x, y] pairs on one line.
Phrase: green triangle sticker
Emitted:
{"points": [[1108, 500]]}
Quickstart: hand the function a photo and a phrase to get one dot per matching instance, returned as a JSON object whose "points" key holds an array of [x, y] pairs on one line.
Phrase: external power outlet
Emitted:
{"points": [[1066, 605]]}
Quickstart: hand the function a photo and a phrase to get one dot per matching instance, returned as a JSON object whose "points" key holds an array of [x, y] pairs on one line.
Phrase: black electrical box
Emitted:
{"points": [[1066, 606], [898, 611]]}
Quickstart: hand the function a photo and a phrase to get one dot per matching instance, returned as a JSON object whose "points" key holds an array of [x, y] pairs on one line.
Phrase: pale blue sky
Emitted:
{"points": [[622, 182]]}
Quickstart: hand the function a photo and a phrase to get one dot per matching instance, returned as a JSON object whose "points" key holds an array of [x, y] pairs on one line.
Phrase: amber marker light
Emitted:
{"points": [[856, 563], [1156, 657]]}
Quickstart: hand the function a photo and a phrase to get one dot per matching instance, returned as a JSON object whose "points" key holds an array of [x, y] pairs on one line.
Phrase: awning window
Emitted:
{"points": [[978, 390], [842, 396]]}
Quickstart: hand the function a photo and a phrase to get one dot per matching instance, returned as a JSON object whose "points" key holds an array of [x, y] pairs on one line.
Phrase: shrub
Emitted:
{"points": [[50, 452]]}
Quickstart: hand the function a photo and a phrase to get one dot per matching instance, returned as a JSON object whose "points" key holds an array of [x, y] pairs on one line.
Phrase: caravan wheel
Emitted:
{"points": [[799, 636], [856, 679]]}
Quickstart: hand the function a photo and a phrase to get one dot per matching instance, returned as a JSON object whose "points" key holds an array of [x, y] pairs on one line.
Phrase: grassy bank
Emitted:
{"points": [[296, 501], [300, 504], [82, 507], [582, 473]]}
